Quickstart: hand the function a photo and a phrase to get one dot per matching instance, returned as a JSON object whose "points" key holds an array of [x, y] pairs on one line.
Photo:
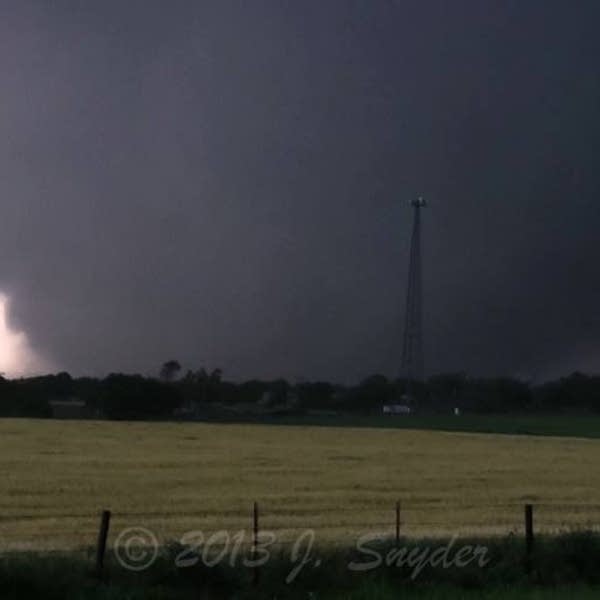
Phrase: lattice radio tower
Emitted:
{"points": [[412, 349]]}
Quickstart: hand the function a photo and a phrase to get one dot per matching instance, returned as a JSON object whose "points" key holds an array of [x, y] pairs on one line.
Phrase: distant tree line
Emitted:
{"points": [[205, 394]]}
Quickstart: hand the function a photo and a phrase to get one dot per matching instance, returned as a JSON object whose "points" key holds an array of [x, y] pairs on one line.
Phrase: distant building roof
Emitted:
{"points": [[70, 409], [396, 409], [68, 403]]}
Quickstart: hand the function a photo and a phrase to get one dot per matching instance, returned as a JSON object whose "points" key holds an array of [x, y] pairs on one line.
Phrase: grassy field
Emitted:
{"points": [[173, 478], [561, 425]]}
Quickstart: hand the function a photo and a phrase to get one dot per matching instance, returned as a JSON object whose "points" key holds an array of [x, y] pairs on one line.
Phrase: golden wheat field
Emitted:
{"points": [[172, 478]]}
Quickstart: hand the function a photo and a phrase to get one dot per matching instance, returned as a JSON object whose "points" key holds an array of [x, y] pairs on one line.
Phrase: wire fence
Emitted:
{"points": [[333, 525]]}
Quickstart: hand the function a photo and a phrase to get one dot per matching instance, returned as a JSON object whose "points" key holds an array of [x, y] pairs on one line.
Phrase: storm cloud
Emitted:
{"points": [[228, 184]]}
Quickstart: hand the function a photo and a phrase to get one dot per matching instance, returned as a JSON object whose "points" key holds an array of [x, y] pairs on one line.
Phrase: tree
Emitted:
{"points": [[169, 370], [317, 395], [370, 395], [216, 376], [135, 397], [496, 395]]}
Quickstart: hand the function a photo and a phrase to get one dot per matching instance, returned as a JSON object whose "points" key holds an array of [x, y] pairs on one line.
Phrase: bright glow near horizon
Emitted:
{"points": [[16, 356]]}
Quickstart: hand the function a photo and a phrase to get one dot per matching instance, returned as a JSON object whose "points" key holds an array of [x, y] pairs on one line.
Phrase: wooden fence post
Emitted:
{"points": [[255, 574], [397, 523], [528, 537], [102, 537]]}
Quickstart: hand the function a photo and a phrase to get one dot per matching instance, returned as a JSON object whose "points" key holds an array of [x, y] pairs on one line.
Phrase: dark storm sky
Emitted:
{"points": [[227, 183]]}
